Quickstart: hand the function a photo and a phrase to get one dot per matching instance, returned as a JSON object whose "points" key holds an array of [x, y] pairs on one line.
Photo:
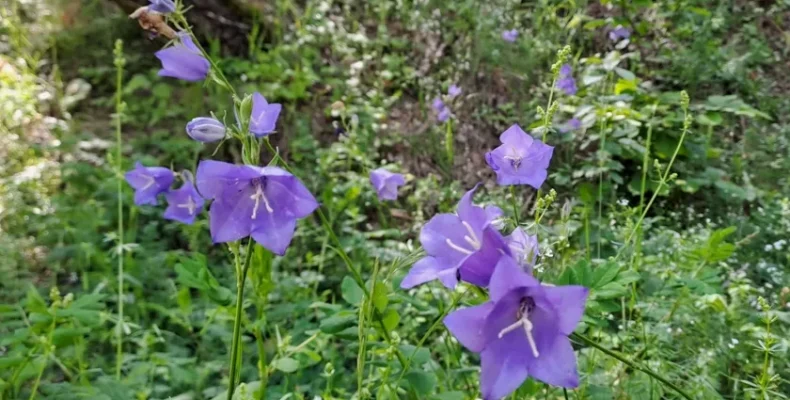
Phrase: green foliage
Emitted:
{"points": [[687, 267]]}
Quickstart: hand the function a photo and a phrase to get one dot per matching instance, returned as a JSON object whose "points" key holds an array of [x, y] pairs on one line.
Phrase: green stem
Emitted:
{"points": [[515, 206], [355, 274], [448, 142], [631, 364], [119, 167], [661, 184], [235, 343], [601, 153]]}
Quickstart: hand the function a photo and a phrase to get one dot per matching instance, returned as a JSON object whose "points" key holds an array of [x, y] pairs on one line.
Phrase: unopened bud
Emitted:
{"points": [[205, 129], [684, 99]]}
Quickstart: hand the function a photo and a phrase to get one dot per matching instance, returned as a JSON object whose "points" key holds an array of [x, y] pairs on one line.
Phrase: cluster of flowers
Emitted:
{"points": [[522, 331], [443, 111], [261, 202]]}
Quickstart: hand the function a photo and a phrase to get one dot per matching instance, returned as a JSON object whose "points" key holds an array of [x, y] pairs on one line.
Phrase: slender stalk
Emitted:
{"points": [[661, 183], [448, 142], [119, 63], [631, 364], [515, 206], [601, 153], [355, 274], [235, 343]]}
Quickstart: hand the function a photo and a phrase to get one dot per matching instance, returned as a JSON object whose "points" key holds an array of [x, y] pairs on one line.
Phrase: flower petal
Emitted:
{"points": [[442, 228], [467, 325], [478, 267], [428, 269], [503, 366], [216, 177], [507, 276], [568, 303], [556, 364], [230, 216], [274, 236]]}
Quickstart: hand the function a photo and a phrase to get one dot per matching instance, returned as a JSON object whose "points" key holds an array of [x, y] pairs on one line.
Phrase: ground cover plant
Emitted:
{"points": [[394, 200]]}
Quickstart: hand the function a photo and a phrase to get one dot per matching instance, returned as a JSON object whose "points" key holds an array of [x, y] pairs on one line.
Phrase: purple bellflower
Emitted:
{"points": [[162, 6], [510, 36], [570, 125], [619, 33], [443, 115], [453, 91], [462, 245], [520, 160], [183, 60], [264, 116], [386, 183], [262, 202], [148, 182], [521, 332], [438, 105], [524, 248], [566, 83], [184, 203], [205, 129]]}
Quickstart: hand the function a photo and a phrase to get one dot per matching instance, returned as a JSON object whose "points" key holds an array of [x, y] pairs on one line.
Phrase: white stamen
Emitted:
{"points": [[524, 322], [150, 180], [456, 247], [472, 238], [189, 205], [515, 159], [258, 196]]}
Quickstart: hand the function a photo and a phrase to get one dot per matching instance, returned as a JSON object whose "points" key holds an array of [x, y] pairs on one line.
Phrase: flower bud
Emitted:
{"points": [[205, 129]]}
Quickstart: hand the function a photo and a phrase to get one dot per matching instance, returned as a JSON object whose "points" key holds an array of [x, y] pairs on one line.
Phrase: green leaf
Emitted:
{"points": [[338, 322], [449, 396], [604, 274], [350, 291], [380, 299], [286, 364], [391, 319], [581, 274], [421, 381], [610, 291]]}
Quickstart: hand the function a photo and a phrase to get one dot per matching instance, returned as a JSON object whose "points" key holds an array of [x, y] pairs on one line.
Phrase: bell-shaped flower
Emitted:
{"points": [[566, 83], [438, 104], [262, 202], [521, 332], [386, 183], [205, 129], [264, 116], [148, 182], [453, 91], [162, 6], [464, 245], [183, 60], [570, 125], [619, 33], [510, 36], [184, 203], [524, 248], [520, 160]]}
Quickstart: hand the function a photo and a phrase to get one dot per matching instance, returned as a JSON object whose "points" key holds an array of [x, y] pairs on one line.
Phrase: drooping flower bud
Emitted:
{"points": [[205, 129]]}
